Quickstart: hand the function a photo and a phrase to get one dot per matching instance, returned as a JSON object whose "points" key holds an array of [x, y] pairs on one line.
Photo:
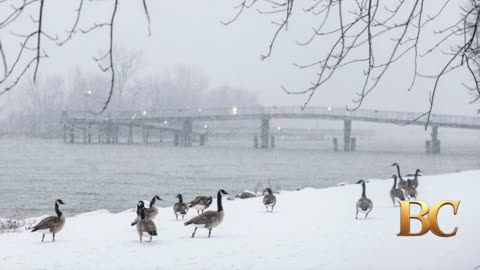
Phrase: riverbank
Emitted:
{"points": [[309, 229]]}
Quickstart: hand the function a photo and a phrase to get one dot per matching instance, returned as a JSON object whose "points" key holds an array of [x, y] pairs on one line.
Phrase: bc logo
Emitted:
{"points": [[429, 223]]}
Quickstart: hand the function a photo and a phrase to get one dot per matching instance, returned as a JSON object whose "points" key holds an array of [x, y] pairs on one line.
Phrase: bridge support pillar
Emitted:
{"points": [[176, 139], [85, 134], [255, 141], [428, 147], [353, 144], [435, 142], [202, 139], [72, 134], [347, 133], [335, 144], [99, 133], [272, 141], [65, 133], [147, 135], [108, 133], [264, 132], [89, 135], [130, 134], [187, 133], [115, 133]]}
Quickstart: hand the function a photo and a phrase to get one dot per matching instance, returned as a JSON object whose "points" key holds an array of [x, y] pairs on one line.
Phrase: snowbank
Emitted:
{"points": [[310, 229]]}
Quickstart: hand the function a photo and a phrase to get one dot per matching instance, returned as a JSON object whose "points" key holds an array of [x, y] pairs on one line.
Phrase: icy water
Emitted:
{"points": [[33, 173]]}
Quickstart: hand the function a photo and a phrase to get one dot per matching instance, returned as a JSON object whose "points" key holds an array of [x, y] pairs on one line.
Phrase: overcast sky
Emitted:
{"points": [[189, 32]]}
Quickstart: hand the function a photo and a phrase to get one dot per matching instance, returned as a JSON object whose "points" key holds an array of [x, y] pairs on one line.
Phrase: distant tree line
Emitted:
{"points": [[36, 108]]}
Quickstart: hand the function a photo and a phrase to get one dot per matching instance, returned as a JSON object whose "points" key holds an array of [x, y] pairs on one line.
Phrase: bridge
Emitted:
{"points": [[183, 123]]}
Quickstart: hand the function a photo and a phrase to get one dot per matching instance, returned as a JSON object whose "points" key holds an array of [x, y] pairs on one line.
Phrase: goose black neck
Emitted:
{"points": [[394, 182], [363, 190], [416, 173], [219, 202], [152, 202], [142, 213], [57, 210], [269, 191], [398, 170], [180, 198]]}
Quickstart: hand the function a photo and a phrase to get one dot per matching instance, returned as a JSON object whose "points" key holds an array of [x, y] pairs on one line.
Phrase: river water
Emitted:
{"points": [[34, 172]]}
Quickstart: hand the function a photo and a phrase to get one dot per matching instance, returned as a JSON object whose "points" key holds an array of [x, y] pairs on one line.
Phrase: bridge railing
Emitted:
{"points": [[392, 116]]}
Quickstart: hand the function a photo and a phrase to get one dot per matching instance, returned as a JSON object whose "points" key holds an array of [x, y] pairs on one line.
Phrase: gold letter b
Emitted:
{"points": [[405, 218]]}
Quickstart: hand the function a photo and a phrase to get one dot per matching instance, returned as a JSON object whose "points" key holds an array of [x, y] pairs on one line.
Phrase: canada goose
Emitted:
{"points": [[144, 225], [200, 203], [415, 178], [364, 204], [209, 219], [151, 212], [51, 224], [402, 184], [396, 193], [180, 208], [411, 191], [269, 199]]}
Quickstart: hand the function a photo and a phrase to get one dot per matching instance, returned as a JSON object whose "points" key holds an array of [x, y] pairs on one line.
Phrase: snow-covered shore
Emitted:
{"points": [[309, 229]]}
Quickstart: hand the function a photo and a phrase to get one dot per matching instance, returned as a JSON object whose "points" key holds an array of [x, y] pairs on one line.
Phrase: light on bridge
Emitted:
{"points": [[144, 112], [234, 110], [205, 126], [329, 108], [165, 122], [278, 128]]}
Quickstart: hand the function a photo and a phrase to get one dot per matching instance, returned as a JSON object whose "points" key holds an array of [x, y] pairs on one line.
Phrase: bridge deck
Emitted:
{"points": [[277, 112]]}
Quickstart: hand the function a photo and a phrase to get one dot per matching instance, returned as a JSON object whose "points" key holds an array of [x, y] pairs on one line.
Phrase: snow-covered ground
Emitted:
{"points": [[309, 229]]}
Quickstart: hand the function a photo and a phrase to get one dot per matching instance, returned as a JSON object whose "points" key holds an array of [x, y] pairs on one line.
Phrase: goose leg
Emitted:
{"points": [[272, 208], [176, 216], [141, 239], [193, 234], [367, 213], [198, 212], [209, 232], [266, 207], [356, 216], [183, 216], [53, 240], [393, 200], [43, 237], [150, 238]]}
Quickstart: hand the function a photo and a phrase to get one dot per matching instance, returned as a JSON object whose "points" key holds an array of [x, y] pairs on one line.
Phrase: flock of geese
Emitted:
{"points": [[401, 190], [145, 216], [404, 189]]}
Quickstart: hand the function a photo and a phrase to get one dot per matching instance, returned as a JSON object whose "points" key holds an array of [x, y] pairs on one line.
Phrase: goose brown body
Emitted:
{"points": [[209, 219], [53, 224]]}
